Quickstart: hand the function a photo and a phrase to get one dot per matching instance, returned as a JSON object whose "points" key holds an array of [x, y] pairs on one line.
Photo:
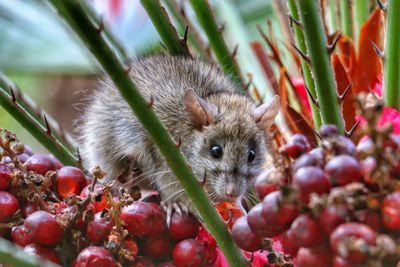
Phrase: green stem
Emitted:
{"points": [[182, 21], [36, 129], [37, 112], [345, 18], [333, 15], [392, 55], [15, 256], [120, 50], [85, 29], [361, 12], [207, 21], [299, 36], [167, 32], [321, 67]]}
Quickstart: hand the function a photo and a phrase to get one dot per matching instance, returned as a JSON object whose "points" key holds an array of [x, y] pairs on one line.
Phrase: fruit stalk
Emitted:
{"points": [[321, 67], [299, 37], [35, 111], [168, 34], [193, 36], [15, 256], [207, 21], [392, 56], [86, 30], [361, 12], [345, 18], [32, 125]]}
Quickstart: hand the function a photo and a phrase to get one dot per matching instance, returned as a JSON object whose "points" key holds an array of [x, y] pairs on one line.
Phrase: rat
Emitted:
{"points": [[222, 133]]}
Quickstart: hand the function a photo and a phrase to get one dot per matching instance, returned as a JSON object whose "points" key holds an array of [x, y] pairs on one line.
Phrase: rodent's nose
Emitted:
{"points": [[232, 190]]}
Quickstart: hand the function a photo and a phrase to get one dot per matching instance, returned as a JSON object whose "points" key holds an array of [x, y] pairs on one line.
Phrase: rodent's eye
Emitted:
{"points": [[252, 155], [216, 151]]}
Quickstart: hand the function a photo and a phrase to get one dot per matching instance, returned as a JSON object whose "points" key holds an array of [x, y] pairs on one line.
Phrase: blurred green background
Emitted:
{"points": [[51, 66]]}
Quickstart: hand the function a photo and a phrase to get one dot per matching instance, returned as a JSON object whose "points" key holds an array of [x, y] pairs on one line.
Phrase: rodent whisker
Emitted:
{"points": [[146, 175], [176, 195], [167, 185]]}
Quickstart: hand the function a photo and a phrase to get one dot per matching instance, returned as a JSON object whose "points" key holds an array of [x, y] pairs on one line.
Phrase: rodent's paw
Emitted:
{"points": [[177, 206]]}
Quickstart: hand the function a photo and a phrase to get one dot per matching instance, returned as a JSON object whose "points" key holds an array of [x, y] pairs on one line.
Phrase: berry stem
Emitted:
{"points": [[34, 127], [35, 111], [207, 21], [392, 55], [86, 30], [166, 30], [361, 12], [15, 256], [182, 22], [321, 67], [299, 37]]}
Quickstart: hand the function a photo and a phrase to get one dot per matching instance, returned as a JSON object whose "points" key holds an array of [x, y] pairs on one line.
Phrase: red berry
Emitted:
{"points": [[100, 197], [44, 228], [344, 146], [141, 261], [289, 244], [332, 216], [391, 211], [183, 226], [259, 225], [369, 217], [95, 257], [99, 228], [328, 130], [21, 236], [244, 237], [159, 246], [28, 208], [188, 253], [314, 257], [58, 164], [43, 252], [138, 218], [309, 159], [131, 246], [344, 236], [5, 176], [276, 212], [342, 170], [267, 182], [8, 205], [297, 145], [167, 264], [70, 181], [310, 180], [159, 225], [23, 157], [41, 163], [307, 232]]}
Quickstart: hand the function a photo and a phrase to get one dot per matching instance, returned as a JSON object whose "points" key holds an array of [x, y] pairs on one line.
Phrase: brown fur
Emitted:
{"points": [[113, 138]]}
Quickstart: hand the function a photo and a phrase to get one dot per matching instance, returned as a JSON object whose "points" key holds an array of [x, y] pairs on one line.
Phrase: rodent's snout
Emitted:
{"points": [[232, 190]]}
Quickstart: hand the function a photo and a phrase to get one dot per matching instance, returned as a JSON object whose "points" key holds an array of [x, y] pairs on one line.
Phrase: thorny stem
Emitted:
{"points": [[321, 67], [84, 28], [345, 18], [53, 145], [183, 22], [392, 56], [35, 111], [207, 21], [15, 256], [108, 34], [361, 12], [299, 36], [167, 32]]}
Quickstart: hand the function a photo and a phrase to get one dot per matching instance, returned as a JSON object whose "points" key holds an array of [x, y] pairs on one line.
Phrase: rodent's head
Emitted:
{"points": [[228, 146]]}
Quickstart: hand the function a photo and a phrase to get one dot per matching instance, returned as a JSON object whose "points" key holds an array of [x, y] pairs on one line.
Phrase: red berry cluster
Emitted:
{"points": [[335, 205], [60, 214]]}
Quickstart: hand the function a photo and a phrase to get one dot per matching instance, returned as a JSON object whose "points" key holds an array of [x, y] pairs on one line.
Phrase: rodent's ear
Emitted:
{"points": [[202, 113], [265, 114]]}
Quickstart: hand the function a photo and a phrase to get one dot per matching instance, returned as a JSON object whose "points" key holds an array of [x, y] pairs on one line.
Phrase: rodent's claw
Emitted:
{"points": [[178, 207]]}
